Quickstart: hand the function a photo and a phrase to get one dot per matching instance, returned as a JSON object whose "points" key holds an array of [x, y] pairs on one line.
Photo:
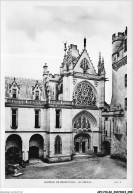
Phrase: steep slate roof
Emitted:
{"points": [[25, 86]]}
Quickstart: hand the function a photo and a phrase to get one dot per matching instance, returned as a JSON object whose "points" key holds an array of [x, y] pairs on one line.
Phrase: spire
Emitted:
{"points": [[99, 57], [102, 60], [84, 43], [102, 67], [99, 64]]}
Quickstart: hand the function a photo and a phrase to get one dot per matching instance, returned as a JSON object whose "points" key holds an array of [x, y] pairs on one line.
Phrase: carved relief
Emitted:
{"points": [[74, 81], [96, 83]]}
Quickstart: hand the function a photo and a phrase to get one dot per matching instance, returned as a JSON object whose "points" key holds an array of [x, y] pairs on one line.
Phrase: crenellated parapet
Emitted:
{"points": [[119, 35], [118, 42]]}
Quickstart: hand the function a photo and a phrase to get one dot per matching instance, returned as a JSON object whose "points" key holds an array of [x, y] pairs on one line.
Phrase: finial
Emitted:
{"points": [[99, 56], [14, 79], [102, 60], [84, 43], [65, 47]]}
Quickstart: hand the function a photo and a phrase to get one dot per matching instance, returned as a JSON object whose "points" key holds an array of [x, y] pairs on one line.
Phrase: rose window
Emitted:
{"points": [[84, 94]]}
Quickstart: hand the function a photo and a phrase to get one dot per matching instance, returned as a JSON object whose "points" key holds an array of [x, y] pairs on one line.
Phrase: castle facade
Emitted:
{"points": [[59, 116], [65, 115]]}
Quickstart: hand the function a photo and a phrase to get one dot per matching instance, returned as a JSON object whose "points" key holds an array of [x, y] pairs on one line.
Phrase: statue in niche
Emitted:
{"points": [[84, 122], [77, 124], [87, 124]]}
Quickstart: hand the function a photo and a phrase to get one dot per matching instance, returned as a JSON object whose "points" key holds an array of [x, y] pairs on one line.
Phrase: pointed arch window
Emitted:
{"points": [[58, 145], [14, 89], [84, 65]]}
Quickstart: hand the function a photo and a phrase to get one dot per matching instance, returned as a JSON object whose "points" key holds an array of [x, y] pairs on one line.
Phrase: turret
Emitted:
{"points": [[46, 82], [45, 71], [116, 41]]}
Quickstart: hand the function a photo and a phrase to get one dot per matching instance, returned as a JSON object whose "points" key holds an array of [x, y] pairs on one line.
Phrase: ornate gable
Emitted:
{"points": [[14, 89], [84, 64], [36, 91]]}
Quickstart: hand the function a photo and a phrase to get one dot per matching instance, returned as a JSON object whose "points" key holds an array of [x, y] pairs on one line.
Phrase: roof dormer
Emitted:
{"points": [[14, 89], [36, 91]]}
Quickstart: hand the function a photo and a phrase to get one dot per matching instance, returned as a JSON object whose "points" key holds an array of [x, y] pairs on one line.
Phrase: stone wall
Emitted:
{"points": [[119, 147]]}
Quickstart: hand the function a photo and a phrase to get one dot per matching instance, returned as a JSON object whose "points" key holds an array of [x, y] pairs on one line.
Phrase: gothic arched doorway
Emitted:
{"points": [[106, 148], [36, 146], [82, 143]]}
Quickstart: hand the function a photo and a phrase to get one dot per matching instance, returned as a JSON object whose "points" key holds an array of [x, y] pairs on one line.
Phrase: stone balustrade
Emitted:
{"points": [[35, 102], [61, 102], [120, 63], [23, 101]]}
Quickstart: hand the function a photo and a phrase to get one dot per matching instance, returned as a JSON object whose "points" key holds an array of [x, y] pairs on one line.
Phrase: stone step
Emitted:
{"points": [[81, 156]]}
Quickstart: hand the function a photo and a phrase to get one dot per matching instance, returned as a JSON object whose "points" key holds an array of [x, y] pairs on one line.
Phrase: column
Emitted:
{"points": [[25, 149], [25, 156]]}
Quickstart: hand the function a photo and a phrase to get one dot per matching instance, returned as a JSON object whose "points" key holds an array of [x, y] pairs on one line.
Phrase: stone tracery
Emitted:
{"points": [[84, 95], [82, 122], [84, 65]]}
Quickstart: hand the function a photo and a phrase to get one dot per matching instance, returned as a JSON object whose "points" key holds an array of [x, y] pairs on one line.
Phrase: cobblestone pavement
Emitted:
{"points": [[91, 168]]}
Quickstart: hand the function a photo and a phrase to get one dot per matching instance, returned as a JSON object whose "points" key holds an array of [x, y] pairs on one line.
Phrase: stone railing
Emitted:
{"points": [[36, 102], [13, 101], [24, 102], [60, 102], [120, 63]]}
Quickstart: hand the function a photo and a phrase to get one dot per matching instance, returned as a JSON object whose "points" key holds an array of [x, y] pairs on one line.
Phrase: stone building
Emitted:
{"points": [[115, 118], [59, 116]]}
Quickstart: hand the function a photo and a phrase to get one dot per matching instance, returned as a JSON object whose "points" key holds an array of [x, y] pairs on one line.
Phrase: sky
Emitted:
{"points": [[33, 32]]}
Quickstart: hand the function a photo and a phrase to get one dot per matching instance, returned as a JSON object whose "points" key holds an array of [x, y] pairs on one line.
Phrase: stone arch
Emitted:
{"points": [[85, 94], [14, 148], [106, 147], [82, 142], [92, 120], [36, 144]]}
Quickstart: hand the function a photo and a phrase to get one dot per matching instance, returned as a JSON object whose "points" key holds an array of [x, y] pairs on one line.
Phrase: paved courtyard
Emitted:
{"points": [[91, 168]]}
